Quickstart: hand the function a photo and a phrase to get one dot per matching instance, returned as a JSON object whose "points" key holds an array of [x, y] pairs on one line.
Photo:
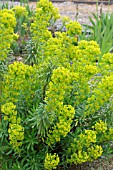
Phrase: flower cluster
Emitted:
{"points": [[107, 135], [60, 83], [100, 127], [56, 50], [49, 11], [16, 131], [100, 95], [73, 28], [7, 18], [63, 126], [16, 135], [46, 14], [94, 152], [78, 158], [19, 83], [7, 24], [60, 80], [9, 111], [60, 50], [51, 161], [81, 149], [106, 64], [88, 137], [20, 11], [88, 52]]}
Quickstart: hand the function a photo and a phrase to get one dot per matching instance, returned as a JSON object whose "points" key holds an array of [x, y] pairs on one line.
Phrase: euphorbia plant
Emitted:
{"points": [[55, 110]]}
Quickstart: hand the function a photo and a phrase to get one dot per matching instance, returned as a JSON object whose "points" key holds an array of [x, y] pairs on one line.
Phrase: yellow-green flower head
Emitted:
{"points": [[88, 137], [20, 11], [73, 28], [48, 9], [16, 135], [90, 69], [10, 113], [15, 36], [20, 69], [88, 50], [62, 128], [100, 127], [8, 108], [78, 158], [19, 82], [106, 64], [51, 161], [107, 58], [95, 151], [100, 95], [7, 18], [8, 10], [65, 19], [16, 131]]}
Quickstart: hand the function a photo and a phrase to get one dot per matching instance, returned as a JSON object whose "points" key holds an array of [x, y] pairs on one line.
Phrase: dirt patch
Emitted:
{"points": [[100, 164]]}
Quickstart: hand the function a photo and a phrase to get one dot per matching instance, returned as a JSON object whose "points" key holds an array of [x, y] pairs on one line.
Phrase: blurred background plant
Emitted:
{"points": [[100, 30], [24, 17]]}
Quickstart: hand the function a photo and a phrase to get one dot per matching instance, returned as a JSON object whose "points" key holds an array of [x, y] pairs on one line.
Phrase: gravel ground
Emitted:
{"points": [[81, 12], [71, 9]]}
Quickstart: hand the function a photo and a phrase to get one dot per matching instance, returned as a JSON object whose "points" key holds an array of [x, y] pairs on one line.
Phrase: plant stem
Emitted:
{"points": [[97, 7], [108, 5], [76, 12]]}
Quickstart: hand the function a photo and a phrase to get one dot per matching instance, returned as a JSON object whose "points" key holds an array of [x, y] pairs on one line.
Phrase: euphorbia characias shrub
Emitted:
{"points": [[56, 111]]}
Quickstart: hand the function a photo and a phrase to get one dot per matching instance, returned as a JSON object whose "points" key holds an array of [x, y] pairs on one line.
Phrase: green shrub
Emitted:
{"points": [[57, 111]]}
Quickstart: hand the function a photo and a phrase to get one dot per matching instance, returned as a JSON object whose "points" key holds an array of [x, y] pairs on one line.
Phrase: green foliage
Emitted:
{"points": [[56, 110], [101, 31]]}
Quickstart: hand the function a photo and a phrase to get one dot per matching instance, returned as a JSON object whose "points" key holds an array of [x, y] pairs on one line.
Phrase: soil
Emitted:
{"points": [[100, 164]]}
